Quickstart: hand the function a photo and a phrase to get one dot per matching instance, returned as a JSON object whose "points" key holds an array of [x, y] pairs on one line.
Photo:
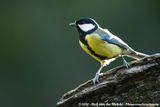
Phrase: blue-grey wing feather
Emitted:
{"points": [[110, 38]]}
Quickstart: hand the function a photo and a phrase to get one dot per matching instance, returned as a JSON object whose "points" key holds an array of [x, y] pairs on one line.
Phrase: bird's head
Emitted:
{"points": [[85, 25]]}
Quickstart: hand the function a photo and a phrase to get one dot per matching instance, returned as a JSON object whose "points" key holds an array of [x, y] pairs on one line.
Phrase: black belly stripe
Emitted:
{"points": [[82, 39], [95, 54]]}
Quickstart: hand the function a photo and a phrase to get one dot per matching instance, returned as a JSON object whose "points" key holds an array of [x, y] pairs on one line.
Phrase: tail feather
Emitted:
{"points": [[136, 55]]}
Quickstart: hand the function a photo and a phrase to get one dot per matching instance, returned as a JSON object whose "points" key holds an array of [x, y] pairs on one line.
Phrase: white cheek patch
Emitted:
{"points": [[86, 27]]}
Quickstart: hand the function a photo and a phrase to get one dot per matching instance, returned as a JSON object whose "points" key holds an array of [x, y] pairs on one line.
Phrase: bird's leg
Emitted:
{"points": [[96, 78], [126, 64]]}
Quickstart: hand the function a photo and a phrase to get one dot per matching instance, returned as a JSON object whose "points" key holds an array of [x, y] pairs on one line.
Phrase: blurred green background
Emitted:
{"points": [[40, 58]]}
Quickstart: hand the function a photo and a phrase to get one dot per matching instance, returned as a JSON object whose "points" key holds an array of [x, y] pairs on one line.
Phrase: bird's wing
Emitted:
{"points": [[110, 38]]}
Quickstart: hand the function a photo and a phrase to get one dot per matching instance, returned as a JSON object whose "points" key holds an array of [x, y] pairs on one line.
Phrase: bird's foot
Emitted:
{"points": [[96, 78], [125, 63]]}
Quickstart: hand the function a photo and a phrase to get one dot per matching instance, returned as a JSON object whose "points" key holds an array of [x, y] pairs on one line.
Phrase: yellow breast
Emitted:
{"points": [[84, 47], [102, 47]]}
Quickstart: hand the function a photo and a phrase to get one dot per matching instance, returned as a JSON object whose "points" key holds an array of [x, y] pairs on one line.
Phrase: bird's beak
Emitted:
{"points": [[72, 24]]}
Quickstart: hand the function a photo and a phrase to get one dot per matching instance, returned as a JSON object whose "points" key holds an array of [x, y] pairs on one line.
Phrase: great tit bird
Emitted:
{"points": [[102, 45]]}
